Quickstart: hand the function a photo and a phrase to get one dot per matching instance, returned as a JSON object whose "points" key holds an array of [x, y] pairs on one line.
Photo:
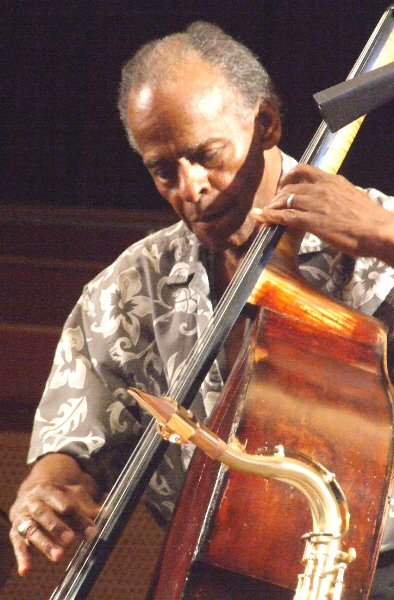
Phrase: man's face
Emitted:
{"points": [[205, 160]]}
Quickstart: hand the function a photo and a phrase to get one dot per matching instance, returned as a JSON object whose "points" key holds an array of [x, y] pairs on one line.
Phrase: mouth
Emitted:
{"points": [[209, 216]]}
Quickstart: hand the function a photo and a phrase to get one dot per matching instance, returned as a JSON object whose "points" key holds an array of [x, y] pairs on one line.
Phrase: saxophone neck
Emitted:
{"points": [[325, 498]]}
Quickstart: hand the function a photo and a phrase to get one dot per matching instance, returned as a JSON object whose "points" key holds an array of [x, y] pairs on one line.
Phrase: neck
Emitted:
{"points": [[270, 180], [227, 262]]}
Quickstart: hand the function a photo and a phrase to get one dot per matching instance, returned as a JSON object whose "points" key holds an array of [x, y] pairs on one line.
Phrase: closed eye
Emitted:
{"points": [[165, 172], [212, 158]]}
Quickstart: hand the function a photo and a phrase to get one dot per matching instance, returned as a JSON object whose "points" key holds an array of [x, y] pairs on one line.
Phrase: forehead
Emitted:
{"points": [[187, 103]]}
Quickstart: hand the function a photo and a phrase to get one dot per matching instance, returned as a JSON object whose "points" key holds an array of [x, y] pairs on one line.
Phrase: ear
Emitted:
{"points": [[268, 123]]}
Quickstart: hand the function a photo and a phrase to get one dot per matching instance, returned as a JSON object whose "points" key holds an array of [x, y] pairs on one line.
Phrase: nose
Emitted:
{"points": [[192, 181]]}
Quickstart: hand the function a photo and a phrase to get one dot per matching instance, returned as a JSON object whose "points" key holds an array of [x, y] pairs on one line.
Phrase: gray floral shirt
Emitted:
{"points": [[135, 325]]}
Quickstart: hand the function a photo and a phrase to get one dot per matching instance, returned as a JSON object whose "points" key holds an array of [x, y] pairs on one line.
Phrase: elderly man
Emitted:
{"points": [[201, 111]]}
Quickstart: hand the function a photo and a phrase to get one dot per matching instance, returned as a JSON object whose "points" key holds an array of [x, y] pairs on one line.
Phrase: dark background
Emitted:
{"points": [[60, 137]]}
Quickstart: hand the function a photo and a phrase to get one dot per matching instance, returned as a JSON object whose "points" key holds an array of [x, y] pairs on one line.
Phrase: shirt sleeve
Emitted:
{"points": [[85, 403]]}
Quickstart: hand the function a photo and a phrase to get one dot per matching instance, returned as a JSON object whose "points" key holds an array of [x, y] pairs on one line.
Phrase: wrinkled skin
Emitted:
{"points": [[205, 160], [58, 497]]}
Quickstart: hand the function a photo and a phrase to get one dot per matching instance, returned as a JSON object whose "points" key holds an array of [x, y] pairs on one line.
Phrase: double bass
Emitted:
{"points": [[290, 385]]}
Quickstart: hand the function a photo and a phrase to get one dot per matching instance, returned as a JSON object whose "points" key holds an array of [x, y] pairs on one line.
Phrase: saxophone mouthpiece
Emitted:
{"points": [[162, 409], [178, 425]]}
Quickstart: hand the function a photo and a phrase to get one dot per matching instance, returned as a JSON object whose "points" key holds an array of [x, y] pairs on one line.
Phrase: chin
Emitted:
{"points": [[221, 244], [219, 237], [238, 239]]}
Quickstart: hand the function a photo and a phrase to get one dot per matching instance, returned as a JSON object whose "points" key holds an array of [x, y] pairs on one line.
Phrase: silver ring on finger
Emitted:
{"points": [[289, 201], [24, 527]]}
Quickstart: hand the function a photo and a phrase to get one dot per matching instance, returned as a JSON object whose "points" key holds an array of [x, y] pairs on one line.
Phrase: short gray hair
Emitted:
{"points": [[235, 62]]}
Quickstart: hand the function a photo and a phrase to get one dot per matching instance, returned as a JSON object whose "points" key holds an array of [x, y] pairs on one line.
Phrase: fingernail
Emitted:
{"points": [[23, 570], [90, 530], [56, 554], [67, 537], [257, 211]]}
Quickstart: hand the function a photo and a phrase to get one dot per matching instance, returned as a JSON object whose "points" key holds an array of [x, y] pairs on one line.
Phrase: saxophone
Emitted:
{"points": [[325, 562]]}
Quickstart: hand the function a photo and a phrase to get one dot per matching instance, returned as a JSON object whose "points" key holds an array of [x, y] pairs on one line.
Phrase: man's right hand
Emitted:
{"points": [[53, 507]]}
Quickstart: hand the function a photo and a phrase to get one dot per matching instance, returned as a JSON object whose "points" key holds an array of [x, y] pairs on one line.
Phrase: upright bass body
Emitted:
{"points": [[312, 377]]}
